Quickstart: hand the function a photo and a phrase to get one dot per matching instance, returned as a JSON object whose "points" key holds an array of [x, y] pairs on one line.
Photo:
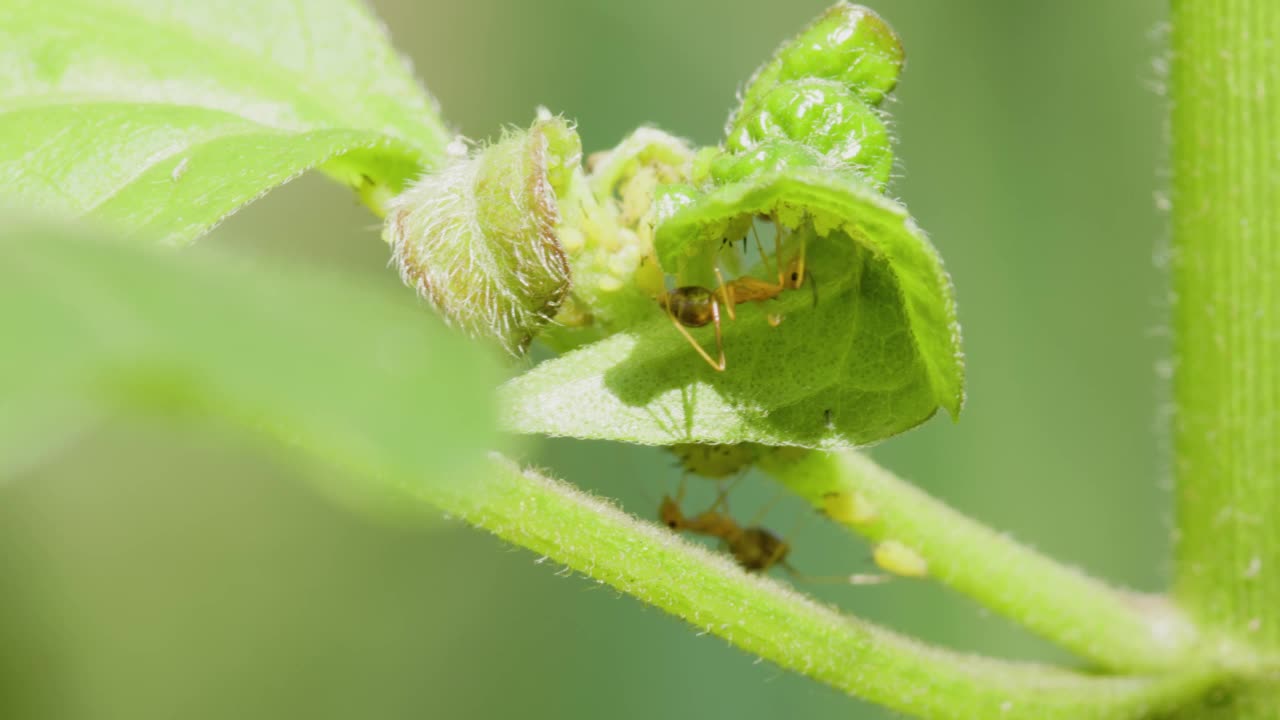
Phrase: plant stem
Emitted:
{"points": [[764, 617], [1117, 630], [1225, 127]]}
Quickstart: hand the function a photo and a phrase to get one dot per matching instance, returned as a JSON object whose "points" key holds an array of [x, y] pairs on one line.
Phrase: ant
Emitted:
{"points": [[755, 549], [695, 306]]}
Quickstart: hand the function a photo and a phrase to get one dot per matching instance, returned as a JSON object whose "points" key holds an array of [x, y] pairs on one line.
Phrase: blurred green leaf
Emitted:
{"points": [[163, 118], [347, 375], [876, 355]]}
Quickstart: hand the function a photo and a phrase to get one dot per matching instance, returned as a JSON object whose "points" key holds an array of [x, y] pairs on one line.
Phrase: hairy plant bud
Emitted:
{"points": [[479, 238]]}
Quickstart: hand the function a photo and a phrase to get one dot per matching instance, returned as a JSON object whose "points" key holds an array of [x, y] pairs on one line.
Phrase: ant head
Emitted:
{"points": [[669, 513], [796, 274]]}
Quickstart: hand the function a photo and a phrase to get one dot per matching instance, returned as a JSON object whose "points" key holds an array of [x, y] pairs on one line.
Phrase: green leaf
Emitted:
{"points": [[876, 356], [162, 118], [353, 377], [848, 43]]}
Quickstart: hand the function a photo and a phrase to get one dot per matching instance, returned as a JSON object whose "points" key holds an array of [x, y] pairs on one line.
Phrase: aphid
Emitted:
{"points": [[850, 508], [900, 559], [695, 306]]}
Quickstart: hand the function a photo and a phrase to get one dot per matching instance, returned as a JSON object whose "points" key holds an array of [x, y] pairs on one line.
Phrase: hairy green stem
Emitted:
{"points": [[1118, 630], [766, 618], [1225, 129]]}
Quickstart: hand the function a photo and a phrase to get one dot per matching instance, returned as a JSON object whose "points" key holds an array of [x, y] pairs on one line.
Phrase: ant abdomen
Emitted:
{"points": [[690, 305], [758, 549]]}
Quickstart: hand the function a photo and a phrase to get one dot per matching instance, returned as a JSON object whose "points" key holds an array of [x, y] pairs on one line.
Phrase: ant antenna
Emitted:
{"points": [[777, 247], [764, 258], [764, 509], [798, 271], [722, 493], [854, 579]]}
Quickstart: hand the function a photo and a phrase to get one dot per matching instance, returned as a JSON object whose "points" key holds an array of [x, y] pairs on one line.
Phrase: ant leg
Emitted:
{"points": [[763, 257], [777, 248], [764, 509], [670, 512], [722, 494], [726, 295], [715, 319], [715, 314], [854, 579], [800, 270], [813, 283]]}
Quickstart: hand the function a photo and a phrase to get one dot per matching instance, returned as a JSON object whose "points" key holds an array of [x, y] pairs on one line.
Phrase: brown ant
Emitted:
{"points": [[695, 306], [755, 549]]}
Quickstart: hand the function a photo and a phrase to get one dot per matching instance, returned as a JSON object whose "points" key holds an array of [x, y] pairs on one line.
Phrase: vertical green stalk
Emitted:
{"points": [[1226, 315]]}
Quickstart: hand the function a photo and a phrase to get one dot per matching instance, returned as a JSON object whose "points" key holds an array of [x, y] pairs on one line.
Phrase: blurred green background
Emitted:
{"points": [[160, 572]]}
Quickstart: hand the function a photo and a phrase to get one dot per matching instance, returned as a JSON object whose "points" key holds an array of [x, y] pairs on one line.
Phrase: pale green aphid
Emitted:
{"points": [[849, 508], [900, 559]]}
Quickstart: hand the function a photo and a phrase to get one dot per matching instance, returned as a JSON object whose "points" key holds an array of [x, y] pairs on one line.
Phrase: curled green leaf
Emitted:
{"points": [[815, 103], [849, 44], [876, 355], [824, 115]]}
